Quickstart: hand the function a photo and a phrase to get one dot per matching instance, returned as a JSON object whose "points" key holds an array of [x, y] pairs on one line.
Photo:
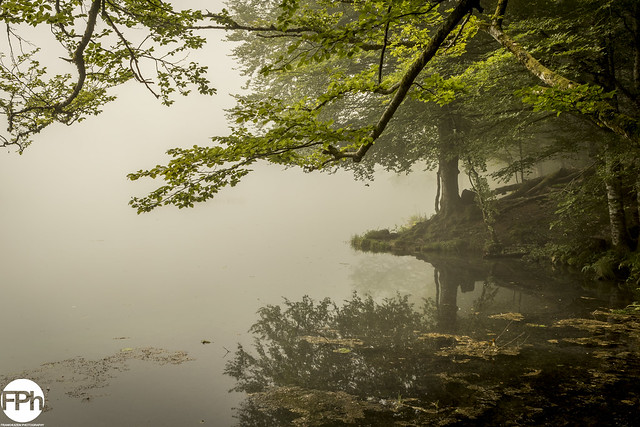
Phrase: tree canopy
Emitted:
{"points": [[331, 77], [353, 84], [297, 131]]}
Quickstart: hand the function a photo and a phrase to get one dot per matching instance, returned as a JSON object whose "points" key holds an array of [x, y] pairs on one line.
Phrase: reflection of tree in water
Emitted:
{"points": [[448, 280], [368, 363], [452, 279], [488, 294], [322, 345]]}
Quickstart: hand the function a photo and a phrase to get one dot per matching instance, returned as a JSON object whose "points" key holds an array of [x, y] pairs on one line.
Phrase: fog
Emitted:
{"points": [[66, 221], [80, 267]]}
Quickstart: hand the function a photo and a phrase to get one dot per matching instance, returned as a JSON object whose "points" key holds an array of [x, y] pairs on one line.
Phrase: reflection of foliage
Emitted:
{"points": [[488, 295], [300, 406], [369, 363], [288, 355]]}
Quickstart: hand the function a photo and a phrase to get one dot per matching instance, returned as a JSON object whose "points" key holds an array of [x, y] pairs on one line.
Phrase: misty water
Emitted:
{"points": [[132, 320], [84, 277]]}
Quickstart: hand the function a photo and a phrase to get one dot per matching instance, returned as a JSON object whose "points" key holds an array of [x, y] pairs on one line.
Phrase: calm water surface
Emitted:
{"points": [[110, 317], [514, 348], [84, 278]]}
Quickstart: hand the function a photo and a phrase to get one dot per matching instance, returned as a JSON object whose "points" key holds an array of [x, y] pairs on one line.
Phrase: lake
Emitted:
{"points": [[83, 276], [132, 320]]}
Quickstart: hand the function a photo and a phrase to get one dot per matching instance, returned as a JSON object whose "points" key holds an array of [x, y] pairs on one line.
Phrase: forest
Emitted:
{"points": [[485, 90]]}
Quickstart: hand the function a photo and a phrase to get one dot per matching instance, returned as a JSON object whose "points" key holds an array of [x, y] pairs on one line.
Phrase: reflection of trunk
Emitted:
{"points": [[615, 203], [448, 165], [447, 301], [448, 279]]}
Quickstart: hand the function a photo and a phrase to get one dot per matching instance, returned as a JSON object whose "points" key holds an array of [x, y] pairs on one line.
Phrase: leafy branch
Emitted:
{"points": [[103, 56], [294, 135]]}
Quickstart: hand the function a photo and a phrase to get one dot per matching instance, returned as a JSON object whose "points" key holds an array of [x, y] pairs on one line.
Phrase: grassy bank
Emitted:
{"points": [[539, 221], [522, 226]]}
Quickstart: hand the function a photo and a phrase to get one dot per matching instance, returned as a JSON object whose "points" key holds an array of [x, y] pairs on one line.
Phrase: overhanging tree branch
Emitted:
{"points": [[78, 59], [454, 18], [548, 77], [33, 98]]}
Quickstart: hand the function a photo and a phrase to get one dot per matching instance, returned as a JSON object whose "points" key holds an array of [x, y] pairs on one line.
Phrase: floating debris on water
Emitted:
{"points": [[514, 317]]}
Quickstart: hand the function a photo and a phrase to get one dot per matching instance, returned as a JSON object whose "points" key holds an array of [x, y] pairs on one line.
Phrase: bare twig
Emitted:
{"points": [[384, 44]]}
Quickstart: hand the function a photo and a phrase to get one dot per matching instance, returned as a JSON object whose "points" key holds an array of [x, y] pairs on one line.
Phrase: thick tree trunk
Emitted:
{"points": [[448, 171], [450, 199], [636, 51]]}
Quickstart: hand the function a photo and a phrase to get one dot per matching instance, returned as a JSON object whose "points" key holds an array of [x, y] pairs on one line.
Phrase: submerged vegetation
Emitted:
{"points": [[450, 84]]}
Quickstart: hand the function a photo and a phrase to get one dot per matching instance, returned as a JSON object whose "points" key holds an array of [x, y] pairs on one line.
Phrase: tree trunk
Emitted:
{"points": [[617, 218], [450, 199], [438, 191], [483, 195], [448, 159], [634, 220], [615, 204], [635, 23]]}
